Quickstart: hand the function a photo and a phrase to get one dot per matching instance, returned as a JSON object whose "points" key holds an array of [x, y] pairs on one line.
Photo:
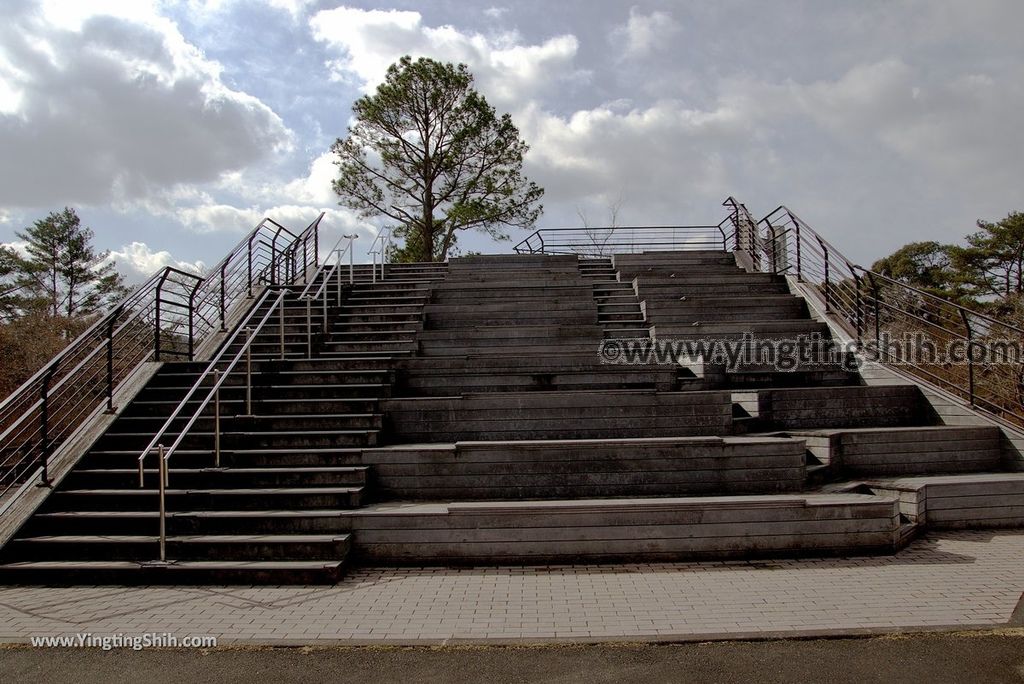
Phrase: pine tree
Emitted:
{"points": [[63, 271]]}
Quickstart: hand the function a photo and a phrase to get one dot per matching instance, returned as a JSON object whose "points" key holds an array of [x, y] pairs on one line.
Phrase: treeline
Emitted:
{"points": [[985, 273], [51, 289]]}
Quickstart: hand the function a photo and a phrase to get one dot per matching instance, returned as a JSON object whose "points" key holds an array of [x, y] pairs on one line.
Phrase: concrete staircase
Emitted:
{"points": [[461, 413]]}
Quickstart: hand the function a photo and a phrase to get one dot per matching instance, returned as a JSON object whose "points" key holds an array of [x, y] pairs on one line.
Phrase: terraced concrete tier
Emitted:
{"points": [[906, 450], [969, 500], [518, 372], [558, 415], [572, 469], [601, 530], [842, 407]]}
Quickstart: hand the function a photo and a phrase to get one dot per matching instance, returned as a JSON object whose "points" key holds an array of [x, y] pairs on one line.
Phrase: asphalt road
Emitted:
{"points": [[973, 658]]}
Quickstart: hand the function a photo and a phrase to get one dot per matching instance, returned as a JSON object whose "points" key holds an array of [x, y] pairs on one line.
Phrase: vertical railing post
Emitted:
{"points": [[970, 355], [309, 327], [877, 313], [248, 264], [44, 429], [799, 255], [281, 327], [305, 261], [192, 323], [351, 264], [859, 305], [248, 371], [156, 320], [162, 475], [316, 244], [273, 260], [216, 418], [327, 289], [110, 360], [827, 286], [223, 298]]}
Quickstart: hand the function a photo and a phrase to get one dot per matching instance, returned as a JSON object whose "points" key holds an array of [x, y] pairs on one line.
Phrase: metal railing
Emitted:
{"points": [[379, 252], [599, 242], [168, 316], [323, 275], [902, 325], [218, 376]]}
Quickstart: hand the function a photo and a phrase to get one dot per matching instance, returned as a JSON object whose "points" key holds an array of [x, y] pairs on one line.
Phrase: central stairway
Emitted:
{"points": [[462, 413]]}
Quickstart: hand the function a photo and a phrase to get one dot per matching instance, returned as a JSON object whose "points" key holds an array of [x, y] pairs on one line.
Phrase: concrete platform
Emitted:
{"points": [[947, 580], [603, 530]]}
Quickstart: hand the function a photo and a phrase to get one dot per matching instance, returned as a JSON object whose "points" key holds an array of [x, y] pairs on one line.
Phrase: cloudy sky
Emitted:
{"points": [[173, 127]]}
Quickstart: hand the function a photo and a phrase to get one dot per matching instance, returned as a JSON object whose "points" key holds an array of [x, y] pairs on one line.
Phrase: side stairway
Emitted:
{"points": [[269, 508]]}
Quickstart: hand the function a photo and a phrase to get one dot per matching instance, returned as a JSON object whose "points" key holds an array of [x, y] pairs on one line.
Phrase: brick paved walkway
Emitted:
{"points": [[947, 579]]}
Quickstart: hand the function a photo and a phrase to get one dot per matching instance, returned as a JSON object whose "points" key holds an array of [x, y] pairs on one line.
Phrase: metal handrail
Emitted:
{"points": [[599, 241], [383, 239], [211, 368], [324, 276], [169, 315], [870, 305]]}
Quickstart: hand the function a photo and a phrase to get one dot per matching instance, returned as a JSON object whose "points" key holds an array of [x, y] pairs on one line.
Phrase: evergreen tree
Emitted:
{"points": [[63, 271]]}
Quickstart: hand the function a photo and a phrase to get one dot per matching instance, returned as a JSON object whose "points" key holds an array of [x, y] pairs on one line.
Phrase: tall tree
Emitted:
{"points": [[63, 269], [428, 152], [992, 263]]}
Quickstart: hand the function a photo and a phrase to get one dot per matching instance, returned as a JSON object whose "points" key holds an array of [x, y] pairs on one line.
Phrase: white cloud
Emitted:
{"points": [[98, 107], [138, 259], [371, 40], [643, 34]]}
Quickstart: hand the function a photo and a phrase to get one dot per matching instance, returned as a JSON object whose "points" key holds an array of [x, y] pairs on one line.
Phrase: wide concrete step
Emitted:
{"points": [[558, 415], [229, 423], [220, 548], [308, 521], [968, 500], [906, 451], [767, 329], [873, 406], [529, 379], [311, 405], [250, 439], [225, 477], [569, 469], [315, 457], [56, 573], [601, 530], [259, 498]]}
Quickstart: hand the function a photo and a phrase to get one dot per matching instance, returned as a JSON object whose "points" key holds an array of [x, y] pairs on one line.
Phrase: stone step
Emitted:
{"points": [[842, 407], [968, 500], [906, 451], [89, 477], [559, 415], [231, 458], [587, 468], [259, 498], [249, 438], [629, 530], [222, 547], [57, 573], [309, 521]]}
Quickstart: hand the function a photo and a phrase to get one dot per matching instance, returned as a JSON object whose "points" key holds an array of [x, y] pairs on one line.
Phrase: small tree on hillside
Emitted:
{"points": [[428, 152], [62, 269], [10, 288]]}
